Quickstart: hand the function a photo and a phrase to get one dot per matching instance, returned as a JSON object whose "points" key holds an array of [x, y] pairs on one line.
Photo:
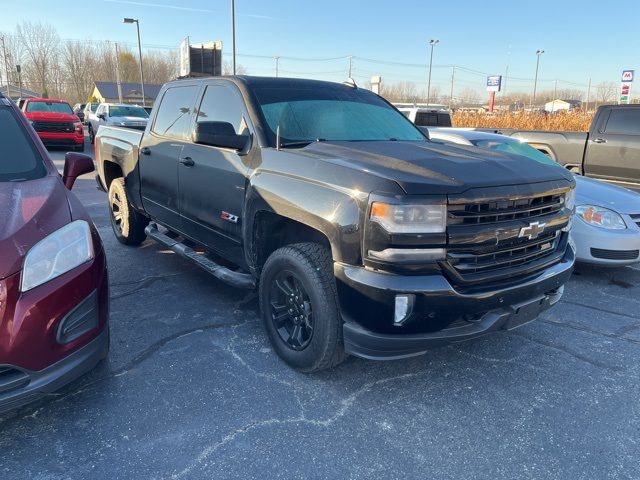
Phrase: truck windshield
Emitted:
{"points": [[19, 159], [305, 115], [53, 107], [125, 111]]}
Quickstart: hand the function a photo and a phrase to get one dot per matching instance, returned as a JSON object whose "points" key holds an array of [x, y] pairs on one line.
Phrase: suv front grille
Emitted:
{"points": [[505, 210], [56, 127]]}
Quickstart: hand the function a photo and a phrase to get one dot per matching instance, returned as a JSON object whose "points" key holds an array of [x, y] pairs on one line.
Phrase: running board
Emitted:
{"points": [[240, 280]]}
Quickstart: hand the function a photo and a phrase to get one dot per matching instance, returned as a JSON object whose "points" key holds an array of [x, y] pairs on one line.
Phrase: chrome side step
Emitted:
{"points": [[240, 280]]}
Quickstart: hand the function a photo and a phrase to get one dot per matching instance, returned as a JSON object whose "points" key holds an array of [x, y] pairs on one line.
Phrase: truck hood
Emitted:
{"points": [[51, 117], [601, 194], [30, 211], [117, 120], [431, 168]]}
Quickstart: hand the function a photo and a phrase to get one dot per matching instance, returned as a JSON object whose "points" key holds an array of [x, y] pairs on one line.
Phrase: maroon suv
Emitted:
{"points": [[53, 276]]}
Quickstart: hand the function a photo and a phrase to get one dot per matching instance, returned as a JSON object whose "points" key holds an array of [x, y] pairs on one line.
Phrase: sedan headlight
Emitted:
{"points": [[600, 217], [410, 218], [63, 250]]}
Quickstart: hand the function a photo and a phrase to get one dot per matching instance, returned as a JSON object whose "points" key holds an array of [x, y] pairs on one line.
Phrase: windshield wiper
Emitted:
{"points": [[301, 143]]}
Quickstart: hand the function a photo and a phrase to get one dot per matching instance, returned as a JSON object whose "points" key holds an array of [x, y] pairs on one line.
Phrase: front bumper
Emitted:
{"points": [[53, 139], [444, 314], [26, 386], [610, 247]]}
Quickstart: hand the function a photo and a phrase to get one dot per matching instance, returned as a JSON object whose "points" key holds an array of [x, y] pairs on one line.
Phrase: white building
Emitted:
{"points": [[562, 105]]}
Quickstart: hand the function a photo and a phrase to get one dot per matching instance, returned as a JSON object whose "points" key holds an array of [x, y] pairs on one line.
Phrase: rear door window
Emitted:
{"points": [[624, 121], [176, 112], [19, 158]]}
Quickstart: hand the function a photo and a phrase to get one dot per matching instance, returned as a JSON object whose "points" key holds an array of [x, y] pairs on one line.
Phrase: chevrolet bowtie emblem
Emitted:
{"points": [[533, 230]]}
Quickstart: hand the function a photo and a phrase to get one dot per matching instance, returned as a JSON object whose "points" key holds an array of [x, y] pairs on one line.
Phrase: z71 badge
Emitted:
{"points": [[229, 217]]}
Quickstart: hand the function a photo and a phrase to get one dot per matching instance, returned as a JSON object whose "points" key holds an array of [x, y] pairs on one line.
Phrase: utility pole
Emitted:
{"points": [[118, 74], [504, 84], [535, 81], [350, 65], [555, 90], [453, 78], [6, 67], [588, 95], [432, 42], [277, 62], [233, 34], [19, 70]]}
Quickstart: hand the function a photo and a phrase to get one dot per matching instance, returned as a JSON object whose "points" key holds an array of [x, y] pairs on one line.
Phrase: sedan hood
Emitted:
{"points": [[30, 211], [434, 168], [602, 194]]}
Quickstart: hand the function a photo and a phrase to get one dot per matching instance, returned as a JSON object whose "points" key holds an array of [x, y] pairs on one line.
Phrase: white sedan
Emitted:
{"points": [[606, 226]]}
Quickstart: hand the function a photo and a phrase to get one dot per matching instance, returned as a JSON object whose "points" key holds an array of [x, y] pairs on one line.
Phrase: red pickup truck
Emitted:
{"points": [[55, 122]]}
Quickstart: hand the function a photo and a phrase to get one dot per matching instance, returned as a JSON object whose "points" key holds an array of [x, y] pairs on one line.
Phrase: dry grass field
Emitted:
{"points": [[573, 121]]}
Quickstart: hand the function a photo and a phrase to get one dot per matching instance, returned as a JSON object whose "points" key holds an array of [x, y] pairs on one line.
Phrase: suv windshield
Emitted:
{"points": [[125, 111], [53, 107], [19, 159], [305, 115]]}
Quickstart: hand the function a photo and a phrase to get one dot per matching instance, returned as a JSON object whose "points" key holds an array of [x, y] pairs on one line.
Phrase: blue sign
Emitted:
{"points": [[493, 83], [627, 75]]}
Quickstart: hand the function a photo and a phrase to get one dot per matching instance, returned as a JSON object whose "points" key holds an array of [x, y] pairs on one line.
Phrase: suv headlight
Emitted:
{"points": [[410, 218], [58, 253], [600, 217]]}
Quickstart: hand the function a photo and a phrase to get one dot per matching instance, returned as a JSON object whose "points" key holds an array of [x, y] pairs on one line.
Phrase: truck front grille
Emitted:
{"points": [[53, 127], [503, 239]]}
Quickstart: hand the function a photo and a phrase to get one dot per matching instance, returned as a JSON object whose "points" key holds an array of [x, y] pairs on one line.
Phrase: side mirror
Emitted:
{"points": [[219, 134], [101, 116], [75, 164]]}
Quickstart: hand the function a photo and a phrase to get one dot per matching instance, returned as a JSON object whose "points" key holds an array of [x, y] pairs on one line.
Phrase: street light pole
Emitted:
{"points": [[233, 34], [432, 42], [277, 64], [135, 20], [535, 81]]}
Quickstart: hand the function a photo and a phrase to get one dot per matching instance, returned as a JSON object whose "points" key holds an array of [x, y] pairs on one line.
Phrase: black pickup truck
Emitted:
{"points": [[363, 236], [610, 151]]}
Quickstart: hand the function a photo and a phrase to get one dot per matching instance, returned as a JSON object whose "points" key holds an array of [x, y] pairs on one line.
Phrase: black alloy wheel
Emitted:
{"points": [[291, 311]]}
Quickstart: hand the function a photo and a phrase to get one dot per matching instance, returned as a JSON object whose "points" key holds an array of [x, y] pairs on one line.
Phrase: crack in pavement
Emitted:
{"points": [[617, 335], [571, 353], [143, 283], [603, 310]]}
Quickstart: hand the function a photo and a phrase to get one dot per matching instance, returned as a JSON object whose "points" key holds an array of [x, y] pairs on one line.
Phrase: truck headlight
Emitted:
{"points": [[600, 217], [410, 218], [58, 253]]}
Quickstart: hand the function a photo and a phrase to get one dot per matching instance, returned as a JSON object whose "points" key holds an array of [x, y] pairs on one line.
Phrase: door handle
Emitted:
{"points": [[145, 151], [599, 140], [187, 161]]}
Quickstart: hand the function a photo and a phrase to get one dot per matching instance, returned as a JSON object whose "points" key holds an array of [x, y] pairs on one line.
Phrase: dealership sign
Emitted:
{"points": [[625, 85], [493, 83]]}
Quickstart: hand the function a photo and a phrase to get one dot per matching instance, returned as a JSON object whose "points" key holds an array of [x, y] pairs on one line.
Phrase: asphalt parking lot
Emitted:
{"points": [[192, 389]]}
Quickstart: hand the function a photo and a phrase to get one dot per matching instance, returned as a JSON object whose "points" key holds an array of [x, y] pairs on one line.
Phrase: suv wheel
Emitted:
{"points": [[128, 225], [299, 307]]}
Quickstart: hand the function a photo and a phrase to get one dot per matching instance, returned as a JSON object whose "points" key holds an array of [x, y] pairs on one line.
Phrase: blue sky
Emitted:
{"points": [[581, 39]]}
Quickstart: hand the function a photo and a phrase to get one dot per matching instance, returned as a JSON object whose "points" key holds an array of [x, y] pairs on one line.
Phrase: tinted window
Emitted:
{"points": [[19, 159], [54, 107], [174, 114], [331, 113], [624, 121], [223, 104], [515, 147]]}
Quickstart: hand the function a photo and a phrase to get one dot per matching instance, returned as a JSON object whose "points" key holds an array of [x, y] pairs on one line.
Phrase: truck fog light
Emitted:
{"points": [[403, 308]]}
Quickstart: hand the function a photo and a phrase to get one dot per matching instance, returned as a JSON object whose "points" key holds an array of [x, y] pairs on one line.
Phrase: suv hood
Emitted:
{"points": [[30, 211], [422, 168], [52, 117], [601, 194], [138, 120]]}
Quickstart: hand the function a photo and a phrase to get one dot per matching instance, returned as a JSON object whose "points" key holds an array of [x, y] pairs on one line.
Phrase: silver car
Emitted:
{"points": [[606, 226], [117, 115]]}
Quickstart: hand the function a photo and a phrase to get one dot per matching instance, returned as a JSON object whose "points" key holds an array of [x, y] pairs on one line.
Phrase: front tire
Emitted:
{"points": [[92, 136], [127, 224], [299, 307]]}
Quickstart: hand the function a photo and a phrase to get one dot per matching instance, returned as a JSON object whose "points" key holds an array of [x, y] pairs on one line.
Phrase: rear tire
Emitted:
{"points": [[92, 136], [299, 307], [127, 224]]}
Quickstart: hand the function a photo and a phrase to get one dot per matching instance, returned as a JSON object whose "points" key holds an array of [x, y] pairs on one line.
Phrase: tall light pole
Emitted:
{"points": [[433, 43], [277, 64], [135, 20], [233, 34], [535, 81]]}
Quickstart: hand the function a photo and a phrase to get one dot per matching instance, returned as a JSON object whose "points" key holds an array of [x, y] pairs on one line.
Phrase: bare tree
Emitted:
{"points": [[40, 43], [227, 69], [78, 64], [605, 92]]}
